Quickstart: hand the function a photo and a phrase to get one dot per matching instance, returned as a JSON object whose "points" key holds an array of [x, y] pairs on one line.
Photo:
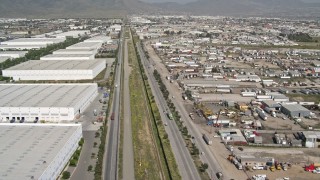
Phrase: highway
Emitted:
{"points": [[183, 158], [207, 156], [112, 140]]}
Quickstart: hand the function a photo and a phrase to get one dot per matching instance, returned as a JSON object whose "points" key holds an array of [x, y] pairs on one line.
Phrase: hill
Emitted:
{"points": [[116, 8]]}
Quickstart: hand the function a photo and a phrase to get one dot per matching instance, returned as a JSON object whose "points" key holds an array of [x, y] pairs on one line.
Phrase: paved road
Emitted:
{"points": [[128, 160], [207, 156], [111, 154], [185, 162]]}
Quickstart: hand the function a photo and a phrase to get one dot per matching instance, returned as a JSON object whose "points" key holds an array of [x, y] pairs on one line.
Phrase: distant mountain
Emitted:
{"points": [[116, 8]]}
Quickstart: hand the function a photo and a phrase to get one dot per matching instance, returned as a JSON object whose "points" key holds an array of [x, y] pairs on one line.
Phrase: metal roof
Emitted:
{"points": [[43, 95], [42, 65], [28, 149], [294, 107]]}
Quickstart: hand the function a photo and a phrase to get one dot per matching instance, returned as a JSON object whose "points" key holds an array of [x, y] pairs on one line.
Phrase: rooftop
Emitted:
{"points": [[90, 51], [35, 40], [28, 149], [12, 52], [66, 55], [294, 107], [57, 65], [43, 95], [85, 44]]}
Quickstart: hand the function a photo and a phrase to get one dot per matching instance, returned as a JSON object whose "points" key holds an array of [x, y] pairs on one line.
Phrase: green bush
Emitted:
{"points": [[73, 163], [90, 168], [81, 142], [66, 175]]}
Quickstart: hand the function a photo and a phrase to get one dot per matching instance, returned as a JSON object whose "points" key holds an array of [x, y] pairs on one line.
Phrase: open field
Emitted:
{"points": [[146, 161]]}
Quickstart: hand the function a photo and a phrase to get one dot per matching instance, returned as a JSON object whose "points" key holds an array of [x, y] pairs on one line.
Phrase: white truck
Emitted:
{"points": [[206, 139]]}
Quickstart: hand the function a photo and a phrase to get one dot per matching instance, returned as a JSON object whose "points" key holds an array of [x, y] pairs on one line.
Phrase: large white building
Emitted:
{"points": [[55, 70], [48, 102], [33, 41], [68, 57], [73, 34], [86, 45], [21, 47], [13, 54], [36, 151], [76, 51], [99, 38]]}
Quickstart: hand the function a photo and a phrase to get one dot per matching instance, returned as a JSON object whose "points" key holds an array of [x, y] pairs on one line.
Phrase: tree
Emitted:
{"points": [[90, 168], [204, 167], [73, 162], [66, 175]]}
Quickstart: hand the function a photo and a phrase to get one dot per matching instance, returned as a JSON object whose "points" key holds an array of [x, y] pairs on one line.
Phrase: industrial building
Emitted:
{"points": [[100, 39], [36, 151], [72, 34], [55, 70], [33, 41], [232, 136], [13, 54], [44, 102], [76, 51], [273, 105], [312, 139], [295, 110], [21, 47], [85, 45], [68, 57]]}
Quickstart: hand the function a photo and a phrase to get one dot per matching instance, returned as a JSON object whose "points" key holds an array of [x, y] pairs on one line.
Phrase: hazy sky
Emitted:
{"points": [[178, 1], [186, 1]]}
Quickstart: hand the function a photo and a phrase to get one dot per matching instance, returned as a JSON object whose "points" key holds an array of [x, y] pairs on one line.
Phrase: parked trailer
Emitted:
{"points": [[206, 139], [263, 97], [248, 94], [224, 90]]}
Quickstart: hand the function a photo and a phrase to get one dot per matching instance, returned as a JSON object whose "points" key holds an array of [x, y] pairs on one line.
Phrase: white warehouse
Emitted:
{"points": [[33, 41], [13, 54], [47, 102], [68, 57], [99, 38], [21, 47], [36, 151], [86, 45], [76, 51], [73, 34], [55, 70]]}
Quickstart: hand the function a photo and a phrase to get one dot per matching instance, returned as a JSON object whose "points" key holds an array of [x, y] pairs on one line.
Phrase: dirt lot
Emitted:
{"points": [[278, 123], [297, 156]]}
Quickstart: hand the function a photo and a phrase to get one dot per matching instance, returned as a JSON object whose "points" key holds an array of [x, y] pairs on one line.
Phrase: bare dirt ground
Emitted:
{"points": [[299, 157]]}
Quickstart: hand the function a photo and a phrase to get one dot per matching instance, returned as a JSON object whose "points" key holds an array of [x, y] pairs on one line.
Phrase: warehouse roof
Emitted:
{"points": [[43, 95], [5, 53], [35, 40], [99, 38], [73, 33], [28, 149], [57, 65], [66, 55], [89, 51], [85, 44], [294, 107], [38, 46]]}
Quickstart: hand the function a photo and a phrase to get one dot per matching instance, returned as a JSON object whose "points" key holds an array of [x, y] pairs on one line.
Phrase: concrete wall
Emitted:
{"points": [[57, 164], [52, 114]]}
